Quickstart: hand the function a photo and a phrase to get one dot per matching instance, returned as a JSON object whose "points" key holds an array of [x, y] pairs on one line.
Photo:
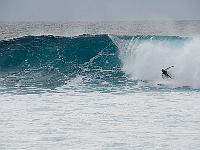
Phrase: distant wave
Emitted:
{"points": [[52, 61]]}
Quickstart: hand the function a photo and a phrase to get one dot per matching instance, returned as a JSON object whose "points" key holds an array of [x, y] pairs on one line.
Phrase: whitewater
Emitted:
{"points": [[99, 85]]}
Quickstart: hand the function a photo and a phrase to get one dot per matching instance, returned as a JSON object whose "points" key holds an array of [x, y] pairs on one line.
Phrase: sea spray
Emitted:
{"points": [[143, 57]]}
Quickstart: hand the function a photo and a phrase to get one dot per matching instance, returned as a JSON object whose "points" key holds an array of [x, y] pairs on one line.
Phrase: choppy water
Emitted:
{"points": [[98, 85]]}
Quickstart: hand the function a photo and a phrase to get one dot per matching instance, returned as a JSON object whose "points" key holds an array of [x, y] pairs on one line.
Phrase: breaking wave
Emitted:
{"points": [[99, 60]]}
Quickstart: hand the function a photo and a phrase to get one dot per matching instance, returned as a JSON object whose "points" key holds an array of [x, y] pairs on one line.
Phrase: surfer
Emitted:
{"points": [[165, 74]]}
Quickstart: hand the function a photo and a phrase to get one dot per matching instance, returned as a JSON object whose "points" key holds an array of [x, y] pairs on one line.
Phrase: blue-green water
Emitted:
{"points": [[98, 85]]}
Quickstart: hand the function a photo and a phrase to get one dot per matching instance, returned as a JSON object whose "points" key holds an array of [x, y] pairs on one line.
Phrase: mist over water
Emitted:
{"points": [[182, 28]]}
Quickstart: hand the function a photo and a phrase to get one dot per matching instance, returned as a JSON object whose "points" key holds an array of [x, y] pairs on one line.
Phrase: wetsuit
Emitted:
{"points": [[165, 74]]}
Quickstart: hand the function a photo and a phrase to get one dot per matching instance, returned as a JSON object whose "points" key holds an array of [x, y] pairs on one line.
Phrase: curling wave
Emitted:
{"points": [[53, 61]]}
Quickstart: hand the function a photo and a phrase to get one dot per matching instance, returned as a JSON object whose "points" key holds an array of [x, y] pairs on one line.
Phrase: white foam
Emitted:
{"points": [[144, 60], [81, 120]]}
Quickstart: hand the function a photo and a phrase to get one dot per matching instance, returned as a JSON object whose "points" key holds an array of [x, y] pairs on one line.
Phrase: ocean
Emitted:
{"points": [[99, 85]]}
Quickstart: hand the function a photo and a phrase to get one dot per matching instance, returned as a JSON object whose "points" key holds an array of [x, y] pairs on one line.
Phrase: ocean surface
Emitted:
{"points": [[98, 85]]}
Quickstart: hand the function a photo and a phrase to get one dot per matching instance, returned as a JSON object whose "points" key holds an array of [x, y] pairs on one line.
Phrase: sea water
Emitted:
{"points": [[98, 85]]}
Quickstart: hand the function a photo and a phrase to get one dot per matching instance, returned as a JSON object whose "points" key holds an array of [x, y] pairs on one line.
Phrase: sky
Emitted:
{"points": [[98, 10]]}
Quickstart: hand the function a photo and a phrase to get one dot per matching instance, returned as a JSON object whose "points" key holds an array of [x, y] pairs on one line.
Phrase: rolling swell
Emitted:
{"points": [[50, 61]]}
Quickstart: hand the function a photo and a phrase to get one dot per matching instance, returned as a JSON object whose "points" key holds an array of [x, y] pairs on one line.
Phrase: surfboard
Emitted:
{"points": [[160, 84]]}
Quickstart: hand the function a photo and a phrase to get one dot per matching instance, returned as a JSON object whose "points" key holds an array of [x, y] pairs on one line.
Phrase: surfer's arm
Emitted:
{"points": [[169, 68]]}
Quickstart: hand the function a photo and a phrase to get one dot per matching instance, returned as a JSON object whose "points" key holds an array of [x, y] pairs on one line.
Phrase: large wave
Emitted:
{"points": [[49, 61], [52, 61]]}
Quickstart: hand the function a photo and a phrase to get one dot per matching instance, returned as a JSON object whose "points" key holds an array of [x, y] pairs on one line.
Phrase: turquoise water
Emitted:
{"points": [[98, 85]]}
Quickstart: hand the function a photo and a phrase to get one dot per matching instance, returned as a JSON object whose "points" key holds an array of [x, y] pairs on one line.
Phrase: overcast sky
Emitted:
{"points": [[98, 10]]}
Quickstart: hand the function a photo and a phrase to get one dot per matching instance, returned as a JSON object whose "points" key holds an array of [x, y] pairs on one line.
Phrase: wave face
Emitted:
{"points": [[49, 61], [98, 60]]}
